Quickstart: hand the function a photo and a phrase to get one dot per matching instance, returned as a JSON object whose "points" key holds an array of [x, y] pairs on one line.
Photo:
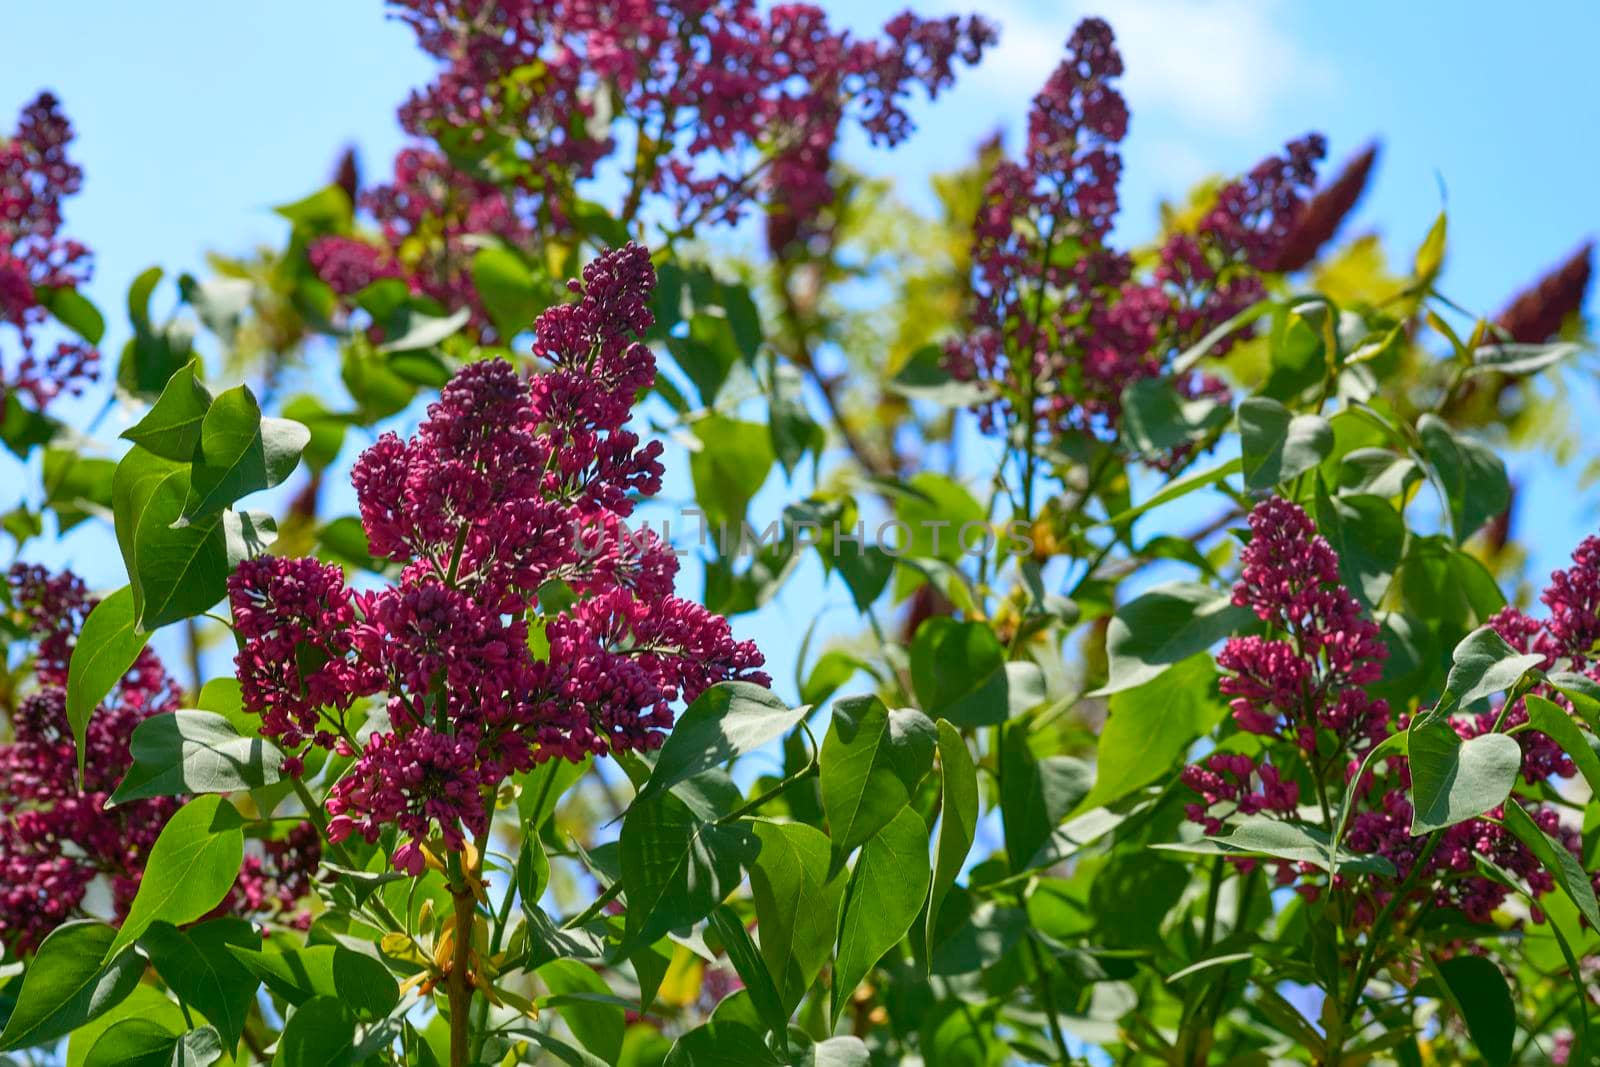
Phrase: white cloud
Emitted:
{"points": [[1212, 65]]}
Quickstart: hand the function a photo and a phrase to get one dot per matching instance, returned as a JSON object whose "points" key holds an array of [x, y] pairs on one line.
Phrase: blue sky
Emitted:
{"points": [[193, 118]]}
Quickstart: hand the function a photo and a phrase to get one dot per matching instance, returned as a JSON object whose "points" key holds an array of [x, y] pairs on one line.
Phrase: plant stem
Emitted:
{"points": [[607, 895], [1364, 968], [1047, 993], [808, 771], [320, 821], [459, 987]]}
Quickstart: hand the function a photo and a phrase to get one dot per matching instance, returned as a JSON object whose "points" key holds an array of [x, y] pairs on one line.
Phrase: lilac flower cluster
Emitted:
{"points": [[1062, 321], [1301, 686], [1310, 675], [1567, 640], [35, 177], [706, 85], [483, 507], [719, 105], [57, 837]]}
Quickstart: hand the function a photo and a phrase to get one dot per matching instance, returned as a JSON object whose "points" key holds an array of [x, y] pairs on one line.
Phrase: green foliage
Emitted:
{"points": [[79, 973], [1012, 843]]}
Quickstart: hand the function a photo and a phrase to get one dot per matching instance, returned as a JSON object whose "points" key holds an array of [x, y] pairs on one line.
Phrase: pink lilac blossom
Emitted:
{"points": [[1312, 677], [1566, 640], [509, 485], [349, 265], [717, 90], [719, 104], [1303, 686], [57, 838], [36, 175], [1062, 321]]}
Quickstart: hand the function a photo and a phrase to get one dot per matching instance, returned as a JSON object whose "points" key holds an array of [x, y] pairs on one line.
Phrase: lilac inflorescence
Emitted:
{"points": [[1062, 321], [57, 838], [1303, 684], [36, 175], [510, 486]]}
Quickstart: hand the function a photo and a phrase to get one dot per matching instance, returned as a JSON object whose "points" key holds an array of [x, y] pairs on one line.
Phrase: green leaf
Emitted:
{"points": [[220, 303], [1562, 865], [69, 983], [1164, 626], [171, 429], [1554, 722], [197, 965], [105, 650], [198, 1048], [189, 751], [1262, 836], [327, 429], [872, 760], [175, 571], [721, 1044], [793, 429], [191, 867], [707, 353], [598, 1026], [1178, 488], [1430, 254], [728, 720], [1480, 991], [1149, 729], [544, 786], [156, 352], [241, 452], [74, 311], [133, 1043], [958, 820], [836, 1052], [958, 671], [1298, 347], [797, 903], [301, 975], [77, 487], [1518, 359], [327, 210], [752, 971], [1157, 419], [936, 508], [676, 867], [986, 936], [422, 332], [1277, 445], [887, 889], [1035, 794], [728, 470], [1454, 780], [1472, 476], [508, 288], [1369, 536], [345, 540], [145, 1002], [1377, 472], [247, 534], [1483, 664], [320, 1033], [23, 429], [1584, 693], [923, 377]]}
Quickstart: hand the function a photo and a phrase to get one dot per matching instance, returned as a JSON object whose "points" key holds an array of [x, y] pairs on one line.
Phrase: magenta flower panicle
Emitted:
{"points": [[57, 838], [1061, 320], [509, 484], [36, 176]]}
